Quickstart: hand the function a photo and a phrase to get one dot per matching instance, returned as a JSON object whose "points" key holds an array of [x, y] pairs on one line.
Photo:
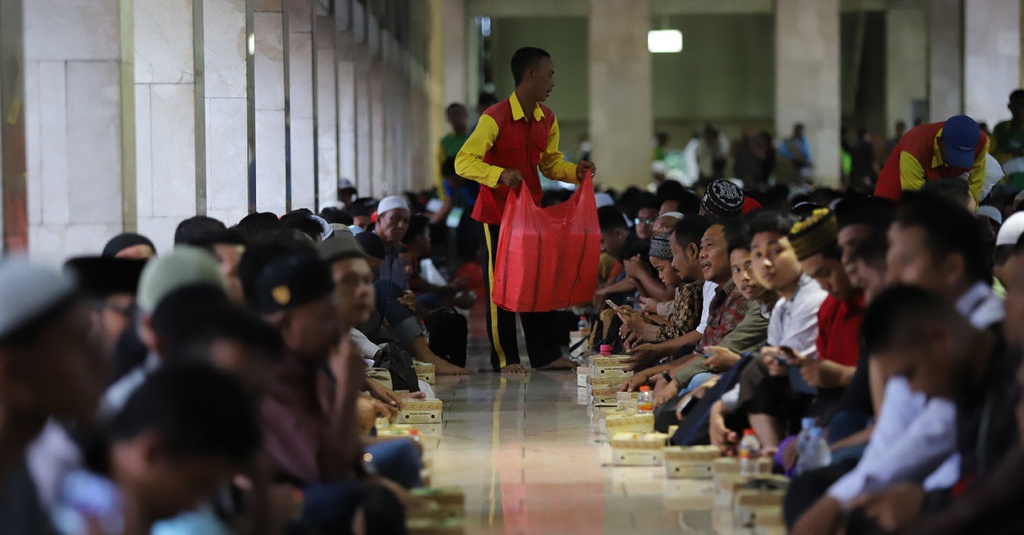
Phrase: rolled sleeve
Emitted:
{"points": [[911, 441], [552, 162], [977, 176], [470, 164]]}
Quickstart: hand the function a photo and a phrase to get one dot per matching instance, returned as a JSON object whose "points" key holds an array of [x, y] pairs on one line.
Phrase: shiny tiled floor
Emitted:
{"points": [[523, 452]]}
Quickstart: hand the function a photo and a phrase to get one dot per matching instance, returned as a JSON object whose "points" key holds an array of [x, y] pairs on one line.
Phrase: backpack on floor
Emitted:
{"points": [[448, 335]]}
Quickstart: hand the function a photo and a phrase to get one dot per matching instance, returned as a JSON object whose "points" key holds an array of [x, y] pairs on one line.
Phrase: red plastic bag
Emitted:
{"points": [[547, 257]]}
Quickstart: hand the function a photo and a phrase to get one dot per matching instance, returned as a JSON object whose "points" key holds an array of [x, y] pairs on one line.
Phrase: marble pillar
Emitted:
{"points": [[945, 59], [79, 155], [906, 61], [271, 120], [621, 116], [456, 59], [326, 110], [347, 132], [364, 126], [224, 59], [380, 182], [170, 156], [991, 57], [300, 109], [807, 79]]}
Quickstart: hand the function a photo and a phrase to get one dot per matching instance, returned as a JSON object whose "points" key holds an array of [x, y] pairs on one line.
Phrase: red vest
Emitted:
{"points": [[519, 145]]}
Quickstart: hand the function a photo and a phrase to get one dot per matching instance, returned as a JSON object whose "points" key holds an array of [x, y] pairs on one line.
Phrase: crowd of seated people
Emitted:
{"points": [[221, 386]]}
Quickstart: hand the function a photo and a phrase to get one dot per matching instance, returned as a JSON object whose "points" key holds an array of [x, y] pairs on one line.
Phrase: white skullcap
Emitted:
{"points": [[658, 167], [393, 202], [991, 212], [28, 291], [1011, 230], [677, 215], [434, 205], [344, 183]]}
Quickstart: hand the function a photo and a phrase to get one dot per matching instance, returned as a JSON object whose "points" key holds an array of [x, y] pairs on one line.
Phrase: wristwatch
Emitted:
{"points": [[666, 376]]}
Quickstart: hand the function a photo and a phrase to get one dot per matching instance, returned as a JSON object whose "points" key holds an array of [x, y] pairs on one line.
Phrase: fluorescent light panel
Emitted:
{"points": [[664, 41]]}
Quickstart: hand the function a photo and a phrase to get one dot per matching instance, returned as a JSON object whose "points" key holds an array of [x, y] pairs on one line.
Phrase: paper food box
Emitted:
{"points": [[430, 526], [602, 390], [381, 375], [582, 373], [627, 423], [638, 449], [420, 411], [425, 372], [692, 462], [748, 502], [451, 500]]}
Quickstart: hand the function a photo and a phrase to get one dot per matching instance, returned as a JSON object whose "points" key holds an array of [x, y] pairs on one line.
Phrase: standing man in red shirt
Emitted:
{"points": [[947, 149], [511, 141]]}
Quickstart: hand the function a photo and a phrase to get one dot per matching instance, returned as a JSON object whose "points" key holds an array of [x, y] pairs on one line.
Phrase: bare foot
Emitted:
{"points": [[561, 363], [414, 395], [513, 369], [450, 369]]}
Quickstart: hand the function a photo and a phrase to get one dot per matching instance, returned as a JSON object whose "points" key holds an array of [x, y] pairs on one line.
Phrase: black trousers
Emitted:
{"points": [[541, 328]]}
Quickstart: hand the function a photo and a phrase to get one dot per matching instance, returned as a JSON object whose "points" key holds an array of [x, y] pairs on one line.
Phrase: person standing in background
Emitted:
{"points": [[458, 119]]}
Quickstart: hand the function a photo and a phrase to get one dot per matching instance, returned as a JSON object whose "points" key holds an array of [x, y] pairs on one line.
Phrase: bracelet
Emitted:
{"points": [[666, 376]]}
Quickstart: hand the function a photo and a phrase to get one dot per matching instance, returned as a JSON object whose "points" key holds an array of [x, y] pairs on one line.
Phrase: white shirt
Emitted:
{"points": [[118, 393], [50, 457], [709, 296], [914, 437], [794, 323]]}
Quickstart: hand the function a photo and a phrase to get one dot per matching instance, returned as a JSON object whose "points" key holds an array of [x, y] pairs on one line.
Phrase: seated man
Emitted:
{"points": [[621, 243], [920, 336], [725, 312], [792, 329], [182, 435], [936, 245], [683, 328]]}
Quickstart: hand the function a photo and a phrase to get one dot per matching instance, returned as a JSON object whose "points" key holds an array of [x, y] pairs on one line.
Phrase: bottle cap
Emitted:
{"points": [[645, 389], [606, 349], [807, 423], [816, 433], [748, 432]]}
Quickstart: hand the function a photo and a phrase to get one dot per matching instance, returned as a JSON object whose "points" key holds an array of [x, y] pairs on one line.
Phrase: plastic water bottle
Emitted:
{"points": [[645, 403], [750, 451], [818, 454], [803, 440], [584, 326]]}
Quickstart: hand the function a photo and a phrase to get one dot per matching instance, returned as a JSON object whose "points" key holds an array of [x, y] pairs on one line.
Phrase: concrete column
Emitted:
{"points": [[380, 182], [326, 111], [945, 59], [621, 116], [271, 119], [79, 140], [224, 57], [807, 79], [456, 59], [906, 61], [347, 83], [300, 98], [170, 130], [363, 124], [991, 57]]}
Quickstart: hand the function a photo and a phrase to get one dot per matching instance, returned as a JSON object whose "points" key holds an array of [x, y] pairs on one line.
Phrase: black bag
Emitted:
{"points": [[399, 362], [448, 334]]}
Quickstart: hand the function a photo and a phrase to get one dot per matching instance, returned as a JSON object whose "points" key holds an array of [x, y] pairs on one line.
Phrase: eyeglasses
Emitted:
{"points": [[639, 221]]}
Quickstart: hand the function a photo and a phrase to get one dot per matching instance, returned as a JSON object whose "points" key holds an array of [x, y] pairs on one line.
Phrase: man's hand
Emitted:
{"points": [[823, 518], [777, 359], [894, 507], [665, 392], [634, 382], [721, 359], [641, 356], [581, 170], [649, 305], [822, 373], [633, 266], [371, 409], [721, 436], [511, 178], [383, 393]]}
